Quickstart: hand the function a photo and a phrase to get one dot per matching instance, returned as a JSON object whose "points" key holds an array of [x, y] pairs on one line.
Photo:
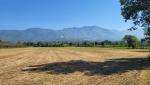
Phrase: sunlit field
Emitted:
{"points": [[74, 66]]}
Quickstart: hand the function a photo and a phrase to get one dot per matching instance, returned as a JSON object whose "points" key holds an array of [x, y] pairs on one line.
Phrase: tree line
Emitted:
{"points": [[129, 41]]}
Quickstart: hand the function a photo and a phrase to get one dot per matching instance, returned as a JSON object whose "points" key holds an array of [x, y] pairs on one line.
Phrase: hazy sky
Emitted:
{"points": [[58, 14]]}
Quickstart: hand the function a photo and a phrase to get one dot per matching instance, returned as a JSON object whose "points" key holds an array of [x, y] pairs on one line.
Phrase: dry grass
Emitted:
{"points": [[74, 66]]}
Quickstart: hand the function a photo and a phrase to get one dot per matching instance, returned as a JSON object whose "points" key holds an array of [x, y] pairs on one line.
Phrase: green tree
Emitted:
{"points": [[131, 40], [137, 11], [147, 33]]}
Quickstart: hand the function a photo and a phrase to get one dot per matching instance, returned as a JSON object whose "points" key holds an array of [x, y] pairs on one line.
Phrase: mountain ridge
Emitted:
{"points": [[90, 33]]}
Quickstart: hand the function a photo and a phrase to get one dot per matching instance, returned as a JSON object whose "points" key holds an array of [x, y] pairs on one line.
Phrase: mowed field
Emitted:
{"points": [[74, 66]]}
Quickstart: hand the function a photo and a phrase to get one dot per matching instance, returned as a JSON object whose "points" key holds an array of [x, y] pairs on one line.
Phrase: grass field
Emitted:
{"points": [[74, 66]]}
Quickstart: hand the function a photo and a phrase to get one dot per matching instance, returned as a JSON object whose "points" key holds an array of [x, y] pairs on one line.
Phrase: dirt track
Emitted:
{"points": [[73, 66]]}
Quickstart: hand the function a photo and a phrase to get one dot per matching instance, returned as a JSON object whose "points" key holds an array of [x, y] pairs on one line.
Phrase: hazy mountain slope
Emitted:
{"points": [[37, 34], [89, 33], [33, 34], [67, 34]]}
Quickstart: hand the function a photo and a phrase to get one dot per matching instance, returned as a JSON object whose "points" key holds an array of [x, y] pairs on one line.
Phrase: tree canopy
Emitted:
{"points": [[131, 40], [137, 11]]}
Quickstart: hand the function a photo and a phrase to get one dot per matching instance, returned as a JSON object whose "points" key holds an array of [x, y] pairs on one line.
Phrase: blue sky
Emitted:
{"points": [[58, 14]]}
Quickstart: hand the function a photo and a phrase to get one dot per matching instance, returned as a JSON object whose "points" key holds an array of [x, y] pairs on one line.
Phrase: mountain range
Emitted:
{"points": [[86, 33]]}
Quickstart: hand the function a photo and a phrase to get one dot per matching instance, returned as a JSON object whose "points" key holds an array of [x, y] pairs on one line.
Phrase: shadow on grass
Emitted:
{"points": [[92, 68]]}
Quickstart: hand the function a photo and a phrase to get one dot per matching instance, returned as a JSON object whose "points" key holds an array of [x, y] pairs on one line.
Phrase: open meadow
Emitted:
{"points": [[74, 66]]}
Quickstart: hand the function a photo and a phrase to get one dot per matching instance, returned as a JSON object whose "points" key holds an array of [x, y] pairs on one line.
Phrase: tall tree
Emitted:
{"points": [[131, 40], [137, 11]]}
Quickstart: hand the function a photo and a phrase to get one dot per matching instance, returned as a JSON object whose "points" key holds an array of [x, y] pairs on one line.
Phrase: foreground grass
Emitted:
{"points": [[74, 66]]}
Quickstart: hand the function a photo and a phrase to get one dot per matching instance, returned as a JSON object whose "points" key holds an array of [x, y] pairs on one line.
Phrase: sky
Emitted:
{"points": [[58, 14]]}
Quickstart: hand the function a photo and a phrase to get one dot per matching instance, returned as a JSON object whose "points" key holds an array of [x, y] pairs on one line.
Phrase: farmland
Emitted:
{"points": [[74, 66]]}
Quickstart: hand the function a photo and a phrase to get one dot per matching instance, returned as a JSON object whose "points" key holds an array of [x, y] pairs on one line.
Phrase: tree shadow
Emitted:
{"points": [[146, 51], [92, 68]]}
